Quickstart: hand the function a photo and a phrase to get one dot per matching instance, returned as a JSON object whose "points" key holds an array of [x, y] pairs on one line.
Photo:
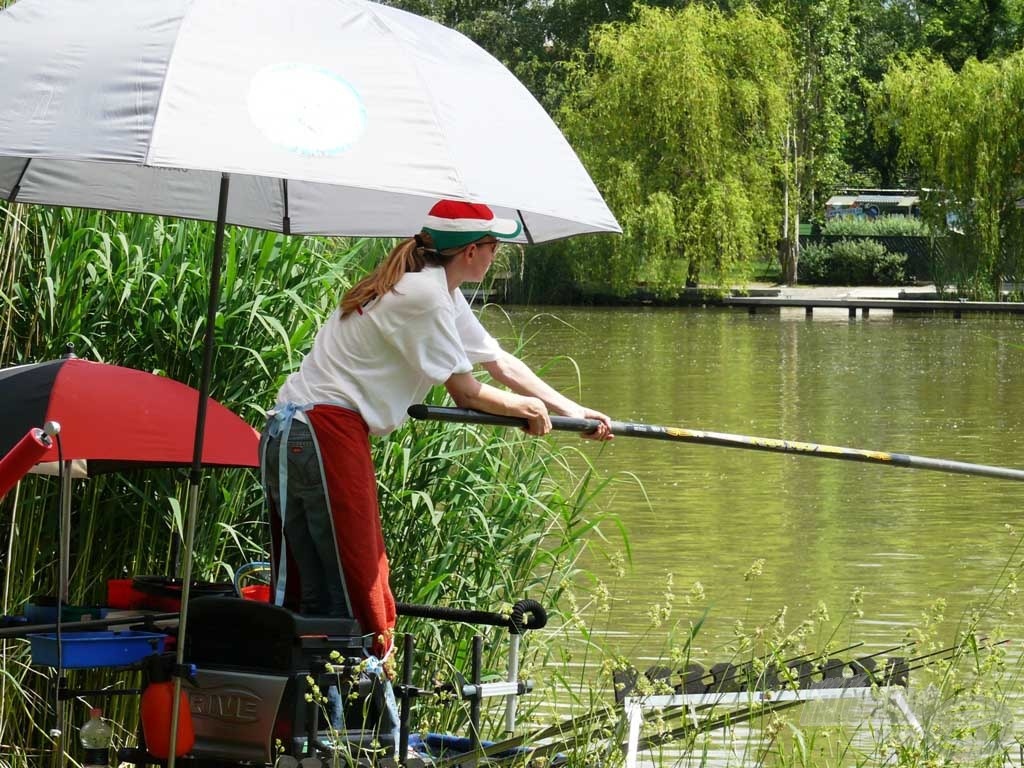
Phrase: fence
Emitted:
{"points": [[918, 250]]}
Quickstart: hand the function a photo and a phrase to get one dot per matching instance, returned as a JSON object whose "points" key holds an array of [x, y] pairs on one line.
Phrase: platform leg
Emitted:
{"points": [[513, 676], [403, 724], [634, 717]]}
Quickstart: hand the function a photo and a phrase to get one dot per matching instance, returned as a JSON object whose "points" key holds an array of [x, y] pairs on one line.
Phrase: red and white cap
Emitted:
{"points": [[453, 224]]}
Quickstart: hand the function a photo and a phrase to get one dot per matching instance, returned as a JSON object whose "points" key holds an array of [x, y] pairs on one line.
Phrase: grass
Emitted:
{"points": [[766, 271]]}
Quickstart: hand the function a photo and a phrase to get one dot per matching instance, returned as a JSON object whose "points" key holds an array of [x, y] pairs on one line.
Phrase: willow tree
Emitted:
{"points": [[965, 132], [822, 34], [680, 116]]}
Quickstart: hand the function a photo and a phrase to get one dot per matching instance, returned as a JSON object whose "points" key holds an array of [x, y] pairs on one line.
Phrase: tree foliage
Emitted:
{"points": [[680, 118], [513, 31], [823, 37], [970, 29], [965, 132]]}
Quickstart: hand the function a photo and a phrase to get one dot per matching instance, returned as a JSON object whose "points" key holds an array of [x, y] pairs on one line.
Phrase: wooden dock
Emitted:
{"points": [[852, 304]]}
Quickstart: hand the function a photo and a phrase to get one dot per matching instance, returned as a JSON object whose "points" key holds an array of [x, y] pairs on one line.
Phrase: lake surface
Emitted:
{"points": [[925, 385]]}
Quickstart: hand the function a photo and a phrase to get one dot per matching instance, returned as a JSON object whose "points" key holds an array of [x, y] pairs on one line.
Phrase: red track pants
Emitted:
{"points": [[350, 486]]}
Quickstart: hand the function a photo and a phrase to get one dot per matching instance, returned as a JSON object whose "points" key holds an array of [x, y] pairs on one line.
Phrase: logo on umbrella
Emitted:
{"points": [[306, 109]]}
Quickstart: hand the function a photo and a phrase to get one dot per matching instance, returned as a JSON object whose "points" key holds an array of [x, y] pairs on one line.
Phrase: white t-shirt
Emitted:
{"points": [[387, 358]]}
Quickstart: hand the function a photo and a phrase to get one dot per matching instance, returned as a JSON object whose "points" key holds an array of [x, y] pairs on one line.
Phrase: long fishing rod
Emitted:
{"points": [[740, 670], [730, 718], [588, 720], [681, 435]]}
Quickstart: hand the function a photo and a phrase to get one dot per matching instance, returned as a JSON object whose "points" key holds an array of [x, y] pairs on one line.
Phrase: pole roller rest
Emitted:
{"points": [[25, 454], [526, 615]]}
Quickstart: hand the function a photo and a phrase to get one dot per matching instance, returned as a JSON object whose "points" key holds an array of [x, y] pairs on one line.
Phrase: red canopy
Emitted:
{"points": [[118, 418]]}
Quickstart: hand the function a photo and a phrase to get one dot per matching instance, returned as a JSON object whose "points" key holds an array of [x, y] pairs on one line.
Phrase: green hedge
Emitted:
{"points": [[883, 226], [852, 262]]}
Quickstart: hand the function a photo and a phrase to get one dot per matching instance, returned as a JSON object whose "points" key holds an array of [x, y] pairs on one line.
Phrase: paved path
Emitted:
{"points": [[842, 291]]}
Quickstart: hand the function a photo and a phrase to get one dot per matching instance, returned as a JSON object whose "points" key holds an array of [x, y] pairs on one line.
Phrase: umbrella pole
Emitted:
{"points": [[63, 577], [195, 474], [64, 567]]}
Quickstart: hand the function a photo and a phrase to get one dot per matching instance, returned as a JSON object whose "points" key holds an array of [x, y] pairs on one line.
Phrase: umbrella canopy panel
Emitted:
{"points": [[333, 117], [118, 418]]}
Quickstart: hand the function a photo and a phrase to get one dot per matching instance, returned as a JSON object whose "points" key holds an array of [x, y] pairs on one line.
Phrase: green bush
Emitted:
{"points": [[890, 269], [852, 262], [813, 266]]}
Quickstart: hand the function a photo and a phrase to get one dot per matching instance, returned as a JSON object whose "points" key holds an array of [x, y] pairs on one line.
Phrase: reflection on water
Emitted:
{"points": [[930, 386]]}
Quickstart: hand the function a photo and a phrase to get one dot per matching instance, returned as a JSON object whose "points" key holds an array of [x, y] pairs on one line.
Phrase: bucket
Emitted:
{"points": [[257, 592]]}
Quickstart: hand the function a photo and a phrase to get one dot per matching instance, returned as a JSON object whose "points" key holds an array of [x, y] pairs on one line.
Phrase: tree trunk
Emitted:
{"points": [[789, 243], [788, 260]]}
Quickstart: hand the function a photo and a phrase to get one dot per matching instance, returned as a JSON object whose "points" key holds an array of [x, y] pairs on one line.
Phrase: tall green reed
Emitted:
{"points": [[132, 290], [472, 517]]}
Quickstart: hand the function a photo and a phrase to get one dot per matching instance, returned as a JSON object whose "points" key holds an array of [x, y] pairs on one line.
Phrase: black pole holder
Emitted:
{"points": [[474, 703], [66, 694]]}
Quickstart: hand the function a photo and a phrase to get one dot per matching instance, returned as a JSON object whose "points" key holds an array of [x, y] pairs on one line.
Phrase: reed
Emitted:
{"points": [[960, 707], [472, 517]]}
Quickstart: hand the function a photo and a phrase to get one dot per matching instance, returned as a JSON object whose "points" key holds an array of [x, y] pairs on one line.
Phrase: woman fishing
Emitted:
{"points": [[401, 330]]}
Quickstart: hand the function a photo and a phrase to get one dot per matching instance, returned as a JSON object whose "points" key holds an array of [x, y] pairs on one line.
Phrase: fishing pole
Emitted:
{"points": [[741, 670], [587, 720], [953, 655], [701, 437], [732, 717]]}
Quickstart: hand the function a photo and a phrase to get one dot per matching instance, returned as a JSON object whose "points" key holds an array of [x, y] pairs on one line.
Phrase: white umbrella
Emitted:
{"points": [[332, 116], [307, 117]]}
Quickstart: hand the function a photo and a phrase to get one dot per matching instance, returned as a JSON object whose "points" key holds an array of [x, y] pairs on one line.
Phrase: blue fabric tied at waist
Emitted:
{"points": [[282, 416]]}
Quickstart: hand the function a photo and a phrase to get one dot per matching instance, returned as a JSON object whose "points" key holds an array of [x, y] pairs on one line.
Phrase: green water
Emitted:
{"points": [[930, 386]]}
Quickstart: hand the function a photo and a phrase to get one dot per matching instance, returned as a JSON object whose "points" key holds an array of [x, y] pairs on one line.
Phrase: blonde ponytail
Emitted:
{"points": [[410, 255]]}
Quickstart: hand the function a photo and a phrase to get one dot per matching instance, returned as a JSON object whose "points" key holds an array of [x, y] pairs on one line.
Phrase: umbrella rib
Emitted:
{"points": [[17, 185], [526, 229], [286, 220]]}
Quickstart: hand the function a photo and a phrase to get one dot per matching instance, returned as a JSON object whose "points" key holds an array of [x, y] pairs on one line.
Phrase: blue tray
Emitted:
{"points": [[95, 649]]}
